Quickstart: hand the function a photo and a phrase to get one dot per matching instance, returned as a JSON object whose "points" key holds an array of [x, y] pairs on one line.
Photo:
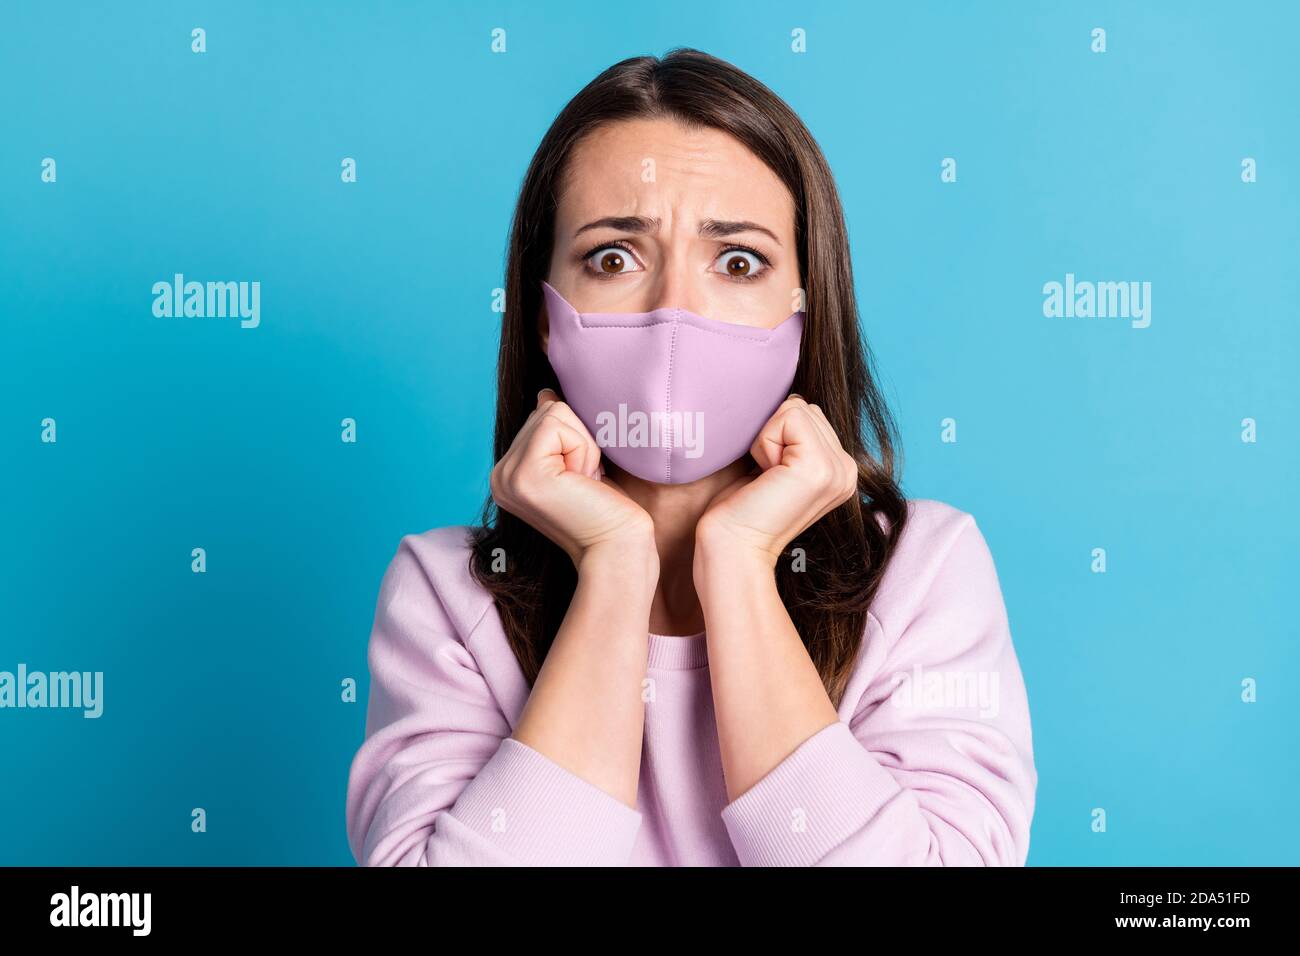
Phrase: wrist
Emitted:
{"points": [[723, 561], [718, 544], [629, 563]]}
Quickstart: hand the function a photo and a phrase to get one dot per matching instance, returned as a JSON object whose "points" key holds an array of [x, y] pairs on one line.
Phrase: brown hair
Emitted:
{"points": [[846, 551]]}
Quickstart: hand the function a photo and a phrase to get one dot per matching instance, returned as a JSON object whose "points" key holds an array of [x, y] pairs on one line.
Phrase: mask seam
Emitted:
{"points": [[649, 325], [668, 402]]}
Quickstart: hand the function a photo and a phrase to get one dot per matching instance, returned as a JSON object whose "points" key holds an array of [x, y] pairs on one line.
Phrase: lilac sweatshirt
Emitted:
{"points": [[930, 762]]}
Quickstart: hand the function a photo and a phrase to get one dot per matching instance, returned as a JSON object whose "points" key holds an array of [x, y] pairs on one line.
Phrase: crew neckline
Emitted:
{"points": [[678, 651]]}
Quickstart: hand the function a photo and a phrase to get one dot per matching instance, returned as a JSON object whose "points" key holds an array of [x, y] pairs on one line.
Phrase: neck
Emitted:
{"points": [[676, 509]]}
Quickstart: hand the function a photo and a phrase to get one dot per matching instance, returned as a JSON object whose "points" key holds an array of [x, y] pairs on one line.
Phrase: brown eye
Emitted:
{"points": [[609, 261], [740, 264]]}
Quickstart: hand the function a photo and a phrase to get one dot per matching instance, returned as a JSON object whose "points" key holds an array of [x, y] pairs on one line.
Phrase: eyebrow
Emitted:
{"points": [[709, 228]]}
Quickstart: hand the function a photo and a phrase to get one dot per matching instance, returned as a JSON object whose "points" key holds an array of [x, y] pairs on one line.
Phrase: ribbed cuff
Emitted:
{"points": [[544, 815], [825, 791]]}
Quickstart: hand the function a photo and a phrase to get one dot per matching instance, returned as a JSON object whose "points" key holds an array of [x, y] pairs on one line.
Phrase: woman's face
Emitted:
{"points": [[652, 215]]}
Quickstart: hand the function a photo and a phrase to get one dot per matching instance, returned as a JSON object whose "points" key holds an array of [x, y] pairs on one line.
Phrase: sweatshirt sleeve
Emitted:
{"points": [[935, 767], [437, 780]]}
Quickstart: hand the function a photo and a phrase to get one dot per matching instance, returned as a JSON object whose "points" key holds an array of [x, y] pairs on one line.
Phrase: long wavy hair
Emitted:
{"points": [[828, 587]]}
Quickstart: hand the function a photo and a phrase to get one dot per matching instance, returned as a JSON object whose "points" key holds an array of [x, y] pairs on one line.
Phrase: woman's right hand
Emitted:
{"points": [[551, 478]]}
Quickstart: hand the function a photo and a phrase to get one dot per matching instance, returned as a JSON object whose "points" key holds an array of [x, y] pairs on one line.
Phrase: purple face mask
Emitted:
{"points": [[668, 395]]}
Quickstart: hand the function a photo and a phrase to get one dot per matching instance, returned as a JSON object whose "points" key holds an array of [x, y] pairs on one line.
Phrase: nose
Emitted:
{"points": [[674, 288]]}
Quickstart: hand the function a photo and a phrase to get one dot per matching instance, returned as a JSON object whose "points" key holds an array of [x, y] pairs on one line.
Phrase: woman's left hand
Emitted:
{"points": [[803, 473]]}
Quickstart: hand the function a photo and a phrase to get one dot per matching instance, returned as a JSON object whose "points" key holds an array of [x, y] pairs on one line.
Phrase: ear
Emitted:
{"points": [[543, 326]]}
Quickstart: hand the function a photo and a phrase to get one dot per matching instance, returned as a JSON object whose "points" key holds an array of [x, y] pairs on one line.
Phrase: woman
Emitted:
{"points": [[701, 625]]}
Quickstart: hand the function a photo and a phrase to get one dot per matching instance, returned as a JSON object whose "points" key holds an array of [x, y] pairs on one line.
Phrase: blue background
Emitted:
{"points": [[222, 690]]}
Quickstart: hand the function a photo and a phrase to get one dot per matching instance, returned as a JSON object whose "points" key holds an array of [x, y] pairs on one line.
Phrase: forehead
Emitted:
{"points": [[659, 167]]}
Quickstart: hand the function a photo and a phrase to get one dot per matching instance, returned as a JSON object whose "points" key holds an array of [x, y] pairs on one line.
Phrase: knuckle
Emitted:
{"points": [[823, 475], [850, 476]]}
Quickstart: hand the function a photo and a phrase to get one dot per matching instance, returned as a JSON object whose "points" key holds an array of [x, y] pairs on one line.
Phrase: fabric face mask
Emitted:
{"points": [[668, 395]]}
